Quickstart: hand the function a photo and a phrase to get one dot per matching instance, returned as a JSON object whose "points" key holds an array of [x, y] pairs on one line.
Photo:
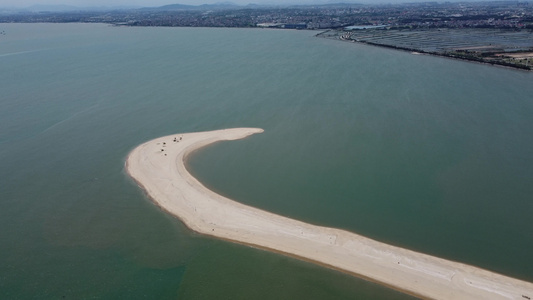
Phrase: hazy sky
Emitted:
{"points": [[110, 3]]}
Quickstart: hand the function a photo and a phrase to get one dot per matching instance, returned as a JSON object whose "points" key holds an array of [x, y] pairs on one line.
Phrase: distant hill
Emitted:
{"points": [[70, 8], [171, 7], [220, 5], [54, 8], [333, 4]]}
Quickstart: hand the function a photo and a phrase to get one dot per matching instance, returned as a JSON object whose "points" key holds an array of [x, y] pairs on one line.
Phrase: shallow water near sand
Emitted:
{"points": [[417, 151]]}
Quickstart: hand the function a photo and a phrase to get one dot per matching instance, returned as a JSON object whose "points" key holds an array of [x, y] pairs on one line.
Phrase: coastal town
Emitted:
{"points": [[494, 32], [488, 14]]}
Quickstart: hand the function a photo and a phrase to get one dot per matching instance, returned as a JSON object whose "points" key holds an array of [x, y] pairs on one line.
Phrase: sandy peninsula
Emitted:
{"points": [[158, 167]]}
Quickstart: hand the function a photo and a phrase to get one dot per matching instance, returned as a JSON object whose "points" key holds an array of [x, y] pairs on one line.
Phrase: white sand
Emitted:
{"points": [[164, 177]]}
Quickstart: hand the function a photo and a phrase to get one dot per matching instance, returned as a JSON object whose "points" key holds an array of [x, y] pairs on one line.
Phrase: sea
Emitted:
{"points": [[422, 152]]}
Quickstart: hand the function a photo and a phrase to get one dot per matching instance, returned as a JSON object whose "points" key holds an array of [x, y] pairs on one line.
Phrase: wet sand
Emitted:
{"points": [[158, 167]]}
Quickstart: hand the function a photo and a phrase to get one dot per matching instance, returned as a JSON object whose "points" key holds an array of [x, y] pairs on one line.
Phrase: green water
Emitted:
{"points": [[426, 153]]}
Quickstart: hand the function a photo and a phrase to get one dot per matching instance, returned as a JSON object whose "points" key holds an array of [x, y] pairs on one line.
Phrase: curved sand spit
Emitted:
{"points": [[158, 166]]}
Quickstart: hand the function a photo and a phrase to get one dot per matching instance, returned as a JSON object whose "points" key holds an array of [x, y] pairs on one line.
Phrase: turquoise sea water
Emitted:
{"points": [[421, 152]]}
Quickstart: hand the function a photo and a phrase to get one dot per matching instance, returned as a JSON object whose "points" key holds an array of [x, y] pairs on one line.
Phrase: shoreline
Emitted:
{"points": [[435, 54], [158, 166]]}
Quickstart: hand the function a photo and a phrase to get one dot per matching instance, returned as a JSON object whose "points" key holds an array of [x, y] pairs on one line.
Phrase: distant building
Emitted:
{"points": [[295, 26], [361, 27], [269, 25]]}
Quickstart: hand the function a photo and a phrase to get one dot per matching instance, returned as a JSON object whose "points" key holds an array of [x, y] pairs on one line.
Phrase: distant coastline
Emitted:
{"points": [[494, 58], [507, 41]]}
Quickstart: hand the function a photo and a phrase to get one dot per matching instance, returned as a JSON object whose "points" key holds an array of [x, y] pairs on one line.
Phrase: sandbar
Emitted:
{"points": [[158, 166]]}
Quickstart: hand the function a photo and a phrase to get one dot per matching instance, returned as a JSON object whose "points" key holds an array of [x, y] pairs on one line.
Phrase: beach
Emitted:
{"points": [[158, 167]]}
